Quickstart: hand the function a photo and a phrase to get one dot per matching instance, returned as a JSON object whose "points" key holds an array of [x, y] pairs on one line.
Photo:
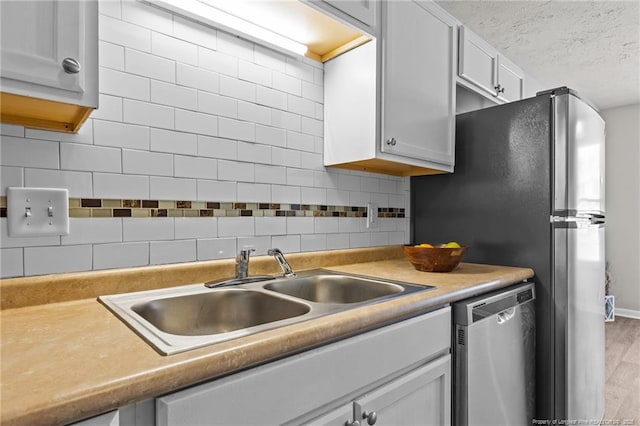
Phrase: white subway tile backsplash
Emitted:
{"points": [[173, 48], [111, 133], [287, 83], [196, 167], [79, 184], [166, 188], [337, 197], [319, 148], [124, 34], [118, 83], [196, 122], [11, 176], [198, 78], [398, 237], [147, 163], [360, 239], [236, 226], [172, 95], [260, 244], [11, 263], [148, 65], [254, 73], [213, 190], [145, 15], [379, 238], [286, 243], [110, 108], [93, 231], [7, 129], [271, 135], [235, 129], [174, 142], [313, 196], [111, 55], [193, 32], [270, 225], [271, 97], [325, 179], [52, 260], [218, 62], [318, 76], [350, 224], [299, 225], [217, 105], [300, 141], [239, 89], [269, 58], [299, 177], [235, 46], [285, 194], [216, 248], [326, 225], [90, 158], [269, 174], [349, 182], [319, 115], [313, 92], [312, 126], [147, 229], [254, 192], [111, 8], [217, 148], [195, 227], [299, 69], [255, 113], [84, 135], [313, 242], [285, 157], [359, 198], [254, 153], [301, 106], [8, 242], [120, 255], [286, 120], [147, 114], [162, 252], [369, 184], [120, 186], [311, 161], [388, 186], [29, 153], [235, 171], [382, 200]]}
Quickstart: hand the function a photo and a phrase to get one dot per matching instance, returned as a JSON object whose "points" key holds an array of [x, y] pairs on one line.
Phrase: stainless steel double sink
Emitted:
{"points": [[181, 318]]}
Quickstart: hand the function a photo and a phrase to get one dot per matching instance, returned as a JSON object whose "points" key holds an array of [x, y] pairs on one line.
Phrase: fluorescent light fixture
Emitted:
{"points": [[219, 18]]}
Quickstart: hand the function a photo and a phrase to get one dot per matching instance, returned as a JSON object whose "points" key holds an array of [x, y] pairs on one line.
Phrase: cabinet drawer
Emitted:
{"points": [[289, 388]]}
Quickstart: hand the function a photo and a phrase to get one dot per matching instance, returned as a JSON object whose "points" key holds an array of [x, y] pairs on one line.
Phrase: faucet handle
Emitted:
{"points": [[245, 253]]}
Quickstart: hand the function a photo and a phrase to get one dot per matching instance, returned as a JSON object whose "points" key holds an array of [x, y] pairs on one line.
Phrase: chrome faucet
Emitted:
{"points": [[242, 263], [286, 268]]}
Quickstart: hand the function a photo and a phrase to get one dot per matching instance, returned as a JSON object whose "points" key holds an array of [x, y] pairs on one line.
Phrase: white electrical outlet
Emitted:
{"points": [[372, 215], [37, 212]]}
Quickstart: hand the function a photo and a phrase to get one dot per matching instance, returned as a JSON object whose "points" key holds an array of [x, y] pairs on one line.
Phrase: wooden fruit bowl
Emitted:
{"points": [[434, 259]]}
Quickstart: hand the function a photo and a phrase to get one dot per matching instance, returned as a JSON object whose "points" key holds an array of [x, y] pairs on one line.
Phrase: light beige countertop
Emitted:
{"points": [[68, 357]]}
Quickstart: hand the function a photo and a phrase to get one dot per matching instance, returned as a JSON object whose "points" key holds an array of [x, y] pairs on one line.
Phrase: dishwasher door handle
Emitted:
{"points": [[506, 315]]}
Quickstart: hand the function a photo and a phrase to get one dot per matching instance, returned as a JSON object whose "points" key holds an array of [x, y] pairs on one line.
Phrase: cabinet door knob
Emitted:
{"points": [[352, 423], [70, 66], [499, 89], [391, 141], [371, 417]]}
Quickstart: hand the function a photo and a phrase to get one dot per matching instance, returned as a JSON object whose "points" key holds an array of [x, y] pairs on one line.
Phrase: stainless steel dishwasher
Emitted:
{"points": [[494, 356]]}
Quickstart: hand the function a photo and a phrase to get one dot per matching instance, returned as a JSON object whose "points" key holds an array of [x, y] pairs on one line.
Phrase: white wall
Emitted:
{"points": [[190, 113], [623, 205]]}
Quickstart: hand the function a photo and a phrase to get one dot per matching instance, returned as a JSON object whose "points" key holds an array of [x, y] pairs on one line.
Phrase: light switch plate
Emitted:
{"points": [[37, 212], [372, 215]]}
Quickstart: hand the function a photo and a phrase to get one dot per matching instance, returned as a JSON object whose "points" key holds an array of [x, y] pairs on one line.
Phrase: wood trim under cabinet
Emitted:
{"points": [[42, 113], [377, 165]]}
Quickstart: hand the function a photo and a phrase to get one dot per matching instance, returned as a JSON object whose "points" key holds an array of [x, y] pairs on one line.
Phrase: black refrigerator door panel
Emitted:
{"points": [[498, 203]]}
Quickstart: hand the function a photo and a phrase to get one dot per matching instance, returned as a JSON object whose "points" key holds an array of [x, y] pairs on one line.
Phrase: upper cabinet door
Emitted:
{"points": [[510, 79], [37, 36], [362, 10], [420, 53], [478, 61]]}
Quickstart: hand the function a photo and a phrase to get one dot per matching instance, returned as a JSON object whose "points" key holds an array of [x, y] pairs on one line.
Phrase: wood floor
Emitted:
{"points": [[622, 386]]}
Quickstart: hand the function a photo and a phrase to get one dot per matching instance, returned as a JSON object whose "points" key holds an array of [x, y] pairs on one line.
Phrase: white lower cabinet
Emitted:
{"points": [[112, 418], [401, 372]]}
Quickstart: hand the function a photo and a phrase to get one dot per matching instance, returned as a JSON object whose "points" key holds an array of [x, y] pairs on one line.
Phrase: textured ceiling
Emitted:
{"points": [[590, 46]]}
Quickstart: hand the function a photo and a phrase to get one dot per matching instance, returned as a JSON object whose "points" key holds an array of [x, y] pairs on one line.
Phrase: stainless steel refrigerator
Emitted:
{"points": [[528, 190]]}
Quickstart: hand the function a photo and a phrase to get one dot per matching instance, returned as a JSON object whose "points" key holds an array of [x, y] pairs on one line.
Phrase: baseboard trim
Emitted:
{"points": [[627, 313]]}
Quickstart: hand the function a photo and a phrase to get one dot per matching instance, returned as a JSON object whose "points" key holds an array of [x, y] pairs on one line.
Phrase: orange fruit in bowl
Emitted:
{"points": [[424, 245]]}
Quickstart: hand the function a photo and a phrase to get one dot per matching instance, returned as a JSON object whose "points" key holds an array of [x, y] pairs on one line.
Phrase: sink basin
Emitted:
{"points": [[181, 318], [217, 312], [334, 288]]}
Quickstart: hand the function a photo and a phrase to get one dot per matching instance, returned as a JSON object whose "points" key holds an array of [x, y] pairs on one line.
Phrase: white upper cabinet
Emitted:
{"points": [[419, 83], [49, 52], [486, 71], [390, 104], [362, 10]]}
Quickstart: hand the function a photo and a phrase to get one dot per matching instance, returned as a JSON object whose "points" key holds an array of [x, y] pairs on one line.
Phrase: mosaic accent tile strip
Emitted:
{"points": [[95, 207]]}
